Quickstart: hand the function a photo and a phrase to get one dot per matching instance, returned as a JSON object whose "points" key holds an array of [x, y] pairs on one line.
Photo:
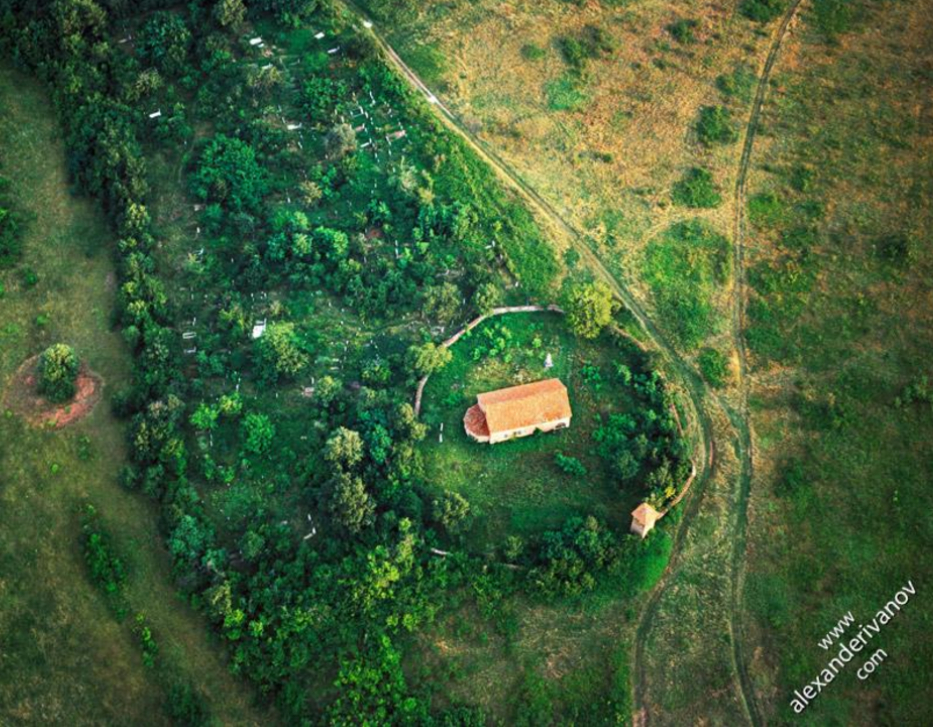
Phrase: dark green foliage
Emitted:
{"points": [[715, 126], [739, 84], [714, 366], [107, 569], [593, 42], [697, 190], [147, 641], [762, 11], [164, 41], [11, 230], [186, 706], [897, 249], [280, 352], [834, 17], [228, 172], [57, 372], [682, 30], [451, 510], [569, 559], [570, 465]]}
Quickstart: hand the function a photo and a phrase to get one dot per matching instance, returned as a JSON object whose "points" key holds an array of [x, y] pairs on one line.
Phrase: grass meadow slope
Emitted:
{"points": [[64, 656]]}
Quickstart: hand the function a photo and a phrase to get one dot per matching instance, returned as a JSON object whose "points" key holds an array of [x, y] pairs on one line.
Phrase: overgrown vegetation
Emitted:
{"points": [[697, 190], [685, 267]]}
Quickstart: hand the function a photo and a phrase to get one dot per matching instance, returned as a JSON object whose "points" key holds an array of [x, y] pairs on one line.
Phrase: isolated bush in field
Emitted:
{"points": [[591, 43], [714, 366], [762, 11], [564, 94], [532, 52], [801, 178], [739, 84], [766, 209], [715, 126], [589, 307], [57, 373], [697, 190], [897, 249], [107, 569], [682, 30]]}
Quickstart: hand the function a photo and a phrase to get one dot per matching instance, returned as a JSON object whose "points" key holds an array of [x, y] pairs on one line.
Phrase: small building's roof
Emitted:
{"points": [[644, 514], [522, 406], [475, 422]]}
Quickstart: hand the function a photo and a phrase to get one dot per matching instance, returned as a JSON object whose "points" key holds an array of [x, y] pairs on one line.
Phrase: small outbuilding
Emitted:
{"points": [[643, 519], [517, 411]]}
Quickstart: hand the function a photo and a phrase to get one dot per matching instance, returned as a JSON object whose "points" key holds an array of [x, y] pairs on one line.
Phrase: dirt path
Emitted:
{"points": [[741, 420]]}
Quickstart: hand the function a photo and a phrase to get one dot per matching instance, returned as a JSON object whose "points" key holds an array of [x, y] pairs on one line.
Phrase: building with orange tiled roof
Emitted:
{"points": [[643, 519], [518, 411]]}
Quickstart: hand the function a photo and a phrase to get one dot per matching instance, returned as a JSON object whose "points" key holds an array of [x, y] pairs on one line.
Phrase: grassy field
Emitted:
{"points": [[609, 140], [516, 487], [64, 658], [839, 330]]}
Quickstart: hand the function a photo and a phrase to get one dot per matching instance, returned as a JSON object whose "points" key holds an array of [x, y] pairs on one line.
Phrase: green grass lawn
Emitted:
{"points": [[64, 658], [516, 487]]}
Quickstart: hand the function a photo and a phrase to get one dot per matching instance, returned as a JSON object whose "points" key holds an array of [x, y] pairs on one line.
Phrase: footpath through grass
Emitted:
{"points": [[64, 658]]}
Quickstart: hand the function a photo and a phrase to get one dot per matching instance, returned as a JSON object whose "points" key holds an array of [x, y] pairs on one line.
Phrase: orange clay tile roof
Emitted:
{"points": [[475, 422], [644, 513], [525, 405]]}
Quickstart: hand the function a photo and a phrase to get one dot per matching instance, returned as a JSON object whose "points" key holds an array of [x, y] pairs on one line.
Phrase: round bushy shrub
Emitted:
{"points": [[57, 373]]}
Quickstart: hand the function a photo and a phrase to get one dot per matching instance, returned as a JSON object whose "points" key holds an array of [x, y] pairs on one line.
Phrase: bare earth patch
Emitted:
{"points": [[21, 397]]}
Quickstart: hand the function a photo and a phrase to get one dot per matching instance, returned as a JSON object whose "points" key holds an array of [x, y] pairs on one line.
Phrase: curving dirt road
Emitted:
{"points": [[699, 394]]}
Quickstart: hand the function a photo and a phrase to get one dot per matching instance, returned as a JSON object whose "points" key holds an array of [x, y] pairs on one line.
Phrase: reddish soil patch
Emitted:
{"points": [[22, 398]]}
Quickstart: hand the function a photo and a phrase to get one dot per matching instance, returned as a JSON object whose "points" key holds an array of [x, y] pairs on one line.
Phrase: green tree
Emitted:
{"points": [[350, 504], [697, 190], [486, 297], [57, 373], [258, 432], [279, 353], [715, 126], [442, 303], [230, 13], [229, 173], [164, 41], [589, 308], [340, 141], [427, 358], [451, 510], [344, 448]]}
